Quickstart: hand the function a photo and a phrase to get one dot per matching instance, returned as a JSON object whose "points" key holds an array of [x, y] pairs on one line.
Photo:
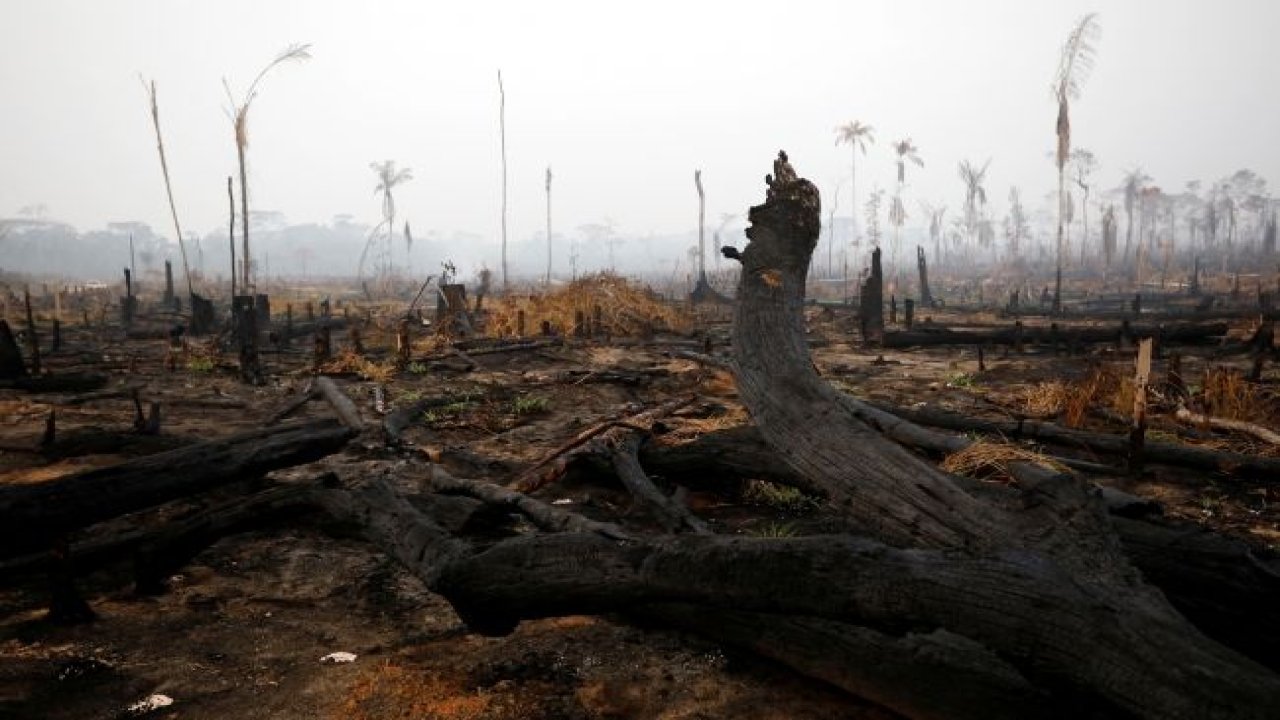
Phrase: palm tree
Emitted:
{"points": [[975, 196], [1134, 181], [857, 135], [240, 120], [389, 177], [1073, 67], [905, 150], [1084, 165], [935, 213]]}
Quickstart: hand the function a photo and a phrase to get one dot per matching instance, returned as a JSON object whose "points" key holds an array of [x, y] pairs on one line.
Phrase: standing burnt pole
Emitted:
{"points": [[926, 297]]}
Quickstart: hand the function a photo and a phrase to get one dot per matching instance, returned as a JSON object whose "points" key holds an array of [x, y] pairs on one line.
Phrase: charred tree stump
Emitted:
{"points": [[203, 315], [909, 313], [871, 303], [128, 303], [12, 365], [322, 346], [451, 310], [262, 308], [168, 285], [1143, 657], [247, 342], [926, 297]]}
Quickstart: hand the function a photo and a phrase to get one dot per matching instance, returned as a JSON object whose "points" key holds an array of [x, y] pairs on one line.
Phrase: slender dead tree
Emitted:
{"points": [[231, 232], [1083, 164], [168, 186], [502, 134], [240, 120], [548, 281], [702, 214], [857, 135], [1073, 67]]}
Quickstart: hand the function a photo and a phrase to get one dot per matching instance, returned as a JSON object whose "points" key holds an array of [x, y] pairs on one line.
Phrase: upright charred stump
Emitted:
{"points": [[871, 303], [1078, 597]]}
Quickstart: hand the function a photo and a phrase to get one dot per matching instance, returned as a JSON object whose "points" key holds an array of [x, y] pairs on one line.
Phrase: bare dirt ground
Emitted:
{"points": [[242, 630]]}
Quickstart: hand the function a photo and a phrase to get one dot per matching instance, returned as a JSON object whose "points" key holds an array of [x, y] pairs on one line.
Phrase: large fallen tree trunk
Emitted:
{"points": [[1221, 584], [37, 514], [1138, 653]]}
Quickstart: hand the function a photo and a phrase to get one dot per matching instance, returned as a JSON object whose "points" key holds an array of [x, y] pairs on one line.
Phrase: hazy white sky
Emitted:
{"points": [[624, 101]]}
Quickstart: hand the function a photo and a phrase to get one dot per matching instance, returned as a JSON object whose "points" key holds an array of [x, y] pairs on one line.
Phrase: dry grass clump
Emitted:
{"points": [[1071, 400], [394, 690], [1047, 399], [348, 362], [626, 308], [1227, 394], [990, 461]]}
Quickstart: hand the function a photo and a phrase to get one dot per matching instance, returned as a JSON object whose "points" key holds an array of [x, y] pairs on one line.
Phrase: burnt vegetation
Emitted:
{"points": [[980, 477]]}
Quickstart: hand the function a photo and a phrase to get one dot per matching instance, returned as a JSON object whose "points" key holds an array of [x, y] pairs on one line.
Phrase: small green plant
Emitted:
{"points": [[450, 411], [778, 497], [774, 530], [201, 364], [417, 368], [961, 380], [529, 405]]}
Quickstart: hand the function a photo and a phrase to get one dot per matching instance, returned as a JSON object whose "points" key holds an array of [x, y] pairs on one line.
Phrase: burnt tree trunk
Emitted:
{"points": [[926, 297], [1080, 614], [37, 514], [871, 303], [12, 365]]}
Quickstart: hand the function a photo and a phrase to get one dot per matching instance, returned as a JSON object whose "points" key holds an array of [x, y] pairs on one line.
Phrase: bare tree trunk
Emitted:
{"points": [[231, 232], [246, 285], [548, 280], [1142, 656], [168, 187], [502, 130], [702, 208]]}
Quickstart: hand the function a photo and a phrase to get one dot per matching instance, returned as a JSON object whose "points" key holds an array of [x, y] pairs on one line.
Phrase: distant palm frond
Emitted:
{"points": [[1076, 60], [857, 134], [1073, 67], [240, 111]]}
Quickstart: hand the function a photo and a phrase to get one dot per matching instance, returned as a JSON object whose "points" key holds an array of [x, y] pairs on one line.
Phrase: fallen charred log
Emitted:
{"points": [[1227, 463], [37, 514], [1172, 333]]}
